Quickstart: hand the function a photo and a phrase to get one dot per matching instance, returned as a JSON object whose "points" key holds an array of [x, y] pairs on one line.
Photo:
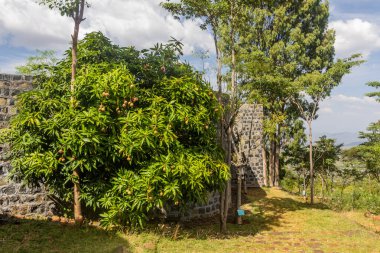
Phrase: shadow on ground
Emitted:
{"points": [[267, 212], [21, 235]]}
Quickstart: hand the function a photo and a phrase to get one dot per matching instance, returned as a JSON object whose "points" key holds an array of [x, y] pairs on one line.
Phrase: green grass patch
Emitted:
{"points": [[275, 222]]}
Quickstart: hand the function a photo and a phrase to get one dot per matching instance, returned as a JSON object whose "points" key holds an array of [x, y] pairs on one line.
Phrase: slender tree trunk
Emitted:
{"points": [[322, 186], [238, 199], [311, 163], [233, 75], [227, 191], [298, 183], [223, 194], [78, 18], [265, 168], [272, 162], [277, 158], [219, 81], [304, 184]]}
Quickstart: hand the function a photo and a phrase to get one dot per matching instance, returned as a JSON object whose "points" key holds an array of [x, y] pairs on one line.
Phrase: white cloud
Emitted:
{"points": [[326, 109], [23, 23], [354, 100], [355, 36], [341, 113]]}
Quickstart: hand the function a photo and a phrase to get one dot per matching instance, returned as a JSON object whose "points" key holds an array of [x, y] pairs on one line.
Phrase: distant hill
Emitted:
{"points": [[348, 139]]}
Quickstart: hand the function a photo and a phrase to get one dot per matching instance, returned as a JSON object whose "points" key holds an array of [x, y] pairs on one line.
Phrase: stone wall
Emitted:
{"points": [[248, 133], [205, 210], [16, 198]]}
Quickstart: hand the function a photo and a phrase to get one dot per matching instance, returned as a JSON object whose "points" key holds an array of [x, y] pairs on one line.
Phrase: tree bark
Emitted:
{"points": [[277, 158], [265, 168], [238, 199], [272, 162], [304, 184], [77, 203], [311, 163], [78, 18], [227, 192]]}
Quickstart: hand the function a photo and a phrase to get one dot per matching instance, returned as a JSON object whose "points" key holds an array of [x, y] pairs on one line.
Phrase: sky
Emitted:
{"points": [[26, 26]]}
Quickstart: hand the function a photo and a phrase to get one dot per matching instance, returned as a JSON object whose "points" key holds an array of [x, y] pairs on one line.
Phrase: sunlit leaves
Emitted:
{"points": [[141, 136]]}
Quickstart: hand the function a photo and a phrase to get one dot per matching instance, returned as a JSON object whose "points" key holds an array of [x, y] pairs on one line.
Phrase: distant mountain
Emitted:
{"points": [[348, 139]]}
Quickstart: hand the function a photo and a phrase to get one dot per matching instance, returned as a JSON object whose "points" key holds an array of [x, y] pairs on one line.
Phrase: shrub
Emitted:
{"points": [[141, 131]]}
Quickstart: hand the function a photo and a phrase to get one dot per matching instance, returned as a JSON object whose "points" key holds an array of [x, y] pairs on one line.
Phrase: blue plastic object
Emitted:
{"points": [[240, 212]]}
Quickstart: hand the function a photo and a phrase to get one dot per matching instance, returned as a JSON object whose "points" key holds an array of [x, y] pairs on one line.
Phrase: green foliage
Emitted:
{"points": [[363, 195], [65, 7], [141, 132], [210, 11], [374, 93], [38, 64], [325, 155], [295, 150], [369, 152]]}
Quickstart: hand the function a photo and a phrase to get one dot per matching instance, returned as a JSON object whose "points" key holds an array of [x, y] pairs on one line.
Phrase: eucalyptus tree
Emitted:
{"points": [[289, 54], [75, 10], [270, 61]]}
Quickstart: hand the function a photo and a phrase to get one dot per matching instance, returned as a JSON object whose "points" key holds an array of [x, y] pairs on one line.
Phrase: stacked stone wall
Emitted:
{"points": [[248, 134], [15, 197]]}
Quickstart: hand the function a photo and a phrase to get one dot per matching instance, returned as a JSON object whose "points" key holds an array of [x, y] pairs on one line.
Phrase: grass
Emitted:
{"points": [[275, 222]]}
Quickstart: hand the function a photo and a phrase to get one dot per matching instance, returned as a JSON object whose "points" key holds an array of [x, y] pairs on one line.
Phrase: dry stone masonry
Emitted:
{"points": [[18, 199], [248, 132]]}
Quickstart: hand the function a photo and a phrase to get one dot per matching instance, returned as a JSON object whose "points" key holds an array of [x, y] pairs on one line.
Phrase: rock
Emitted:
{"points": [[55, 218], [64, 220]]}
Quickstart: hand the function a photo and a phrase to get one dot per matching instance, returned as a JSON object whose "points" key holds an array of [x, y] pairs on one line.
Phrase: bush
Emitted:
{"points": [[140, 129], [363, 195]]}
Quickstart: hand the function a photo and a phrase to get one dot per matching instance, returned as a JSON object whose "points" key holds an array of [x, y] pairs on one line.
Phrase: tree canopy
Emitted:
{"points": [[141, 131]]}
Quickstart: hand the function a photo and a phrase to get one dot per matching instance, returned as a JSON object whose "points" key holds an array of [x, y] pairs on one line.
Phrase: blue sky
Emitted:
{"points": [[26, 26]]}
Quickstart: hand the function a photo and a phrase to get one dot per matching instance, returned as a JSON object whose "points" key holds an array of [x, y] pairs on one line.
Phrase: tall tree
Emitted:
{"points": [[287, 44], [212, 13], [269, 64], [75, 10], [313, 88]]}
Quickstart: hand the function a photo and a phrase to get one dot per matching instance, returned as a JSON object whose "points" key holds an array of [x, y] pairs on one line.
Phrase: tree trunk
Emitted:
{"points": [[277, 159], [238, 199], [304, 184], [265, 168], [311, 163], [219, 82], [233, 52], [77, 204], [227, 192], [322, 186], [272, 162], [223, 194], [78, 18]]}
